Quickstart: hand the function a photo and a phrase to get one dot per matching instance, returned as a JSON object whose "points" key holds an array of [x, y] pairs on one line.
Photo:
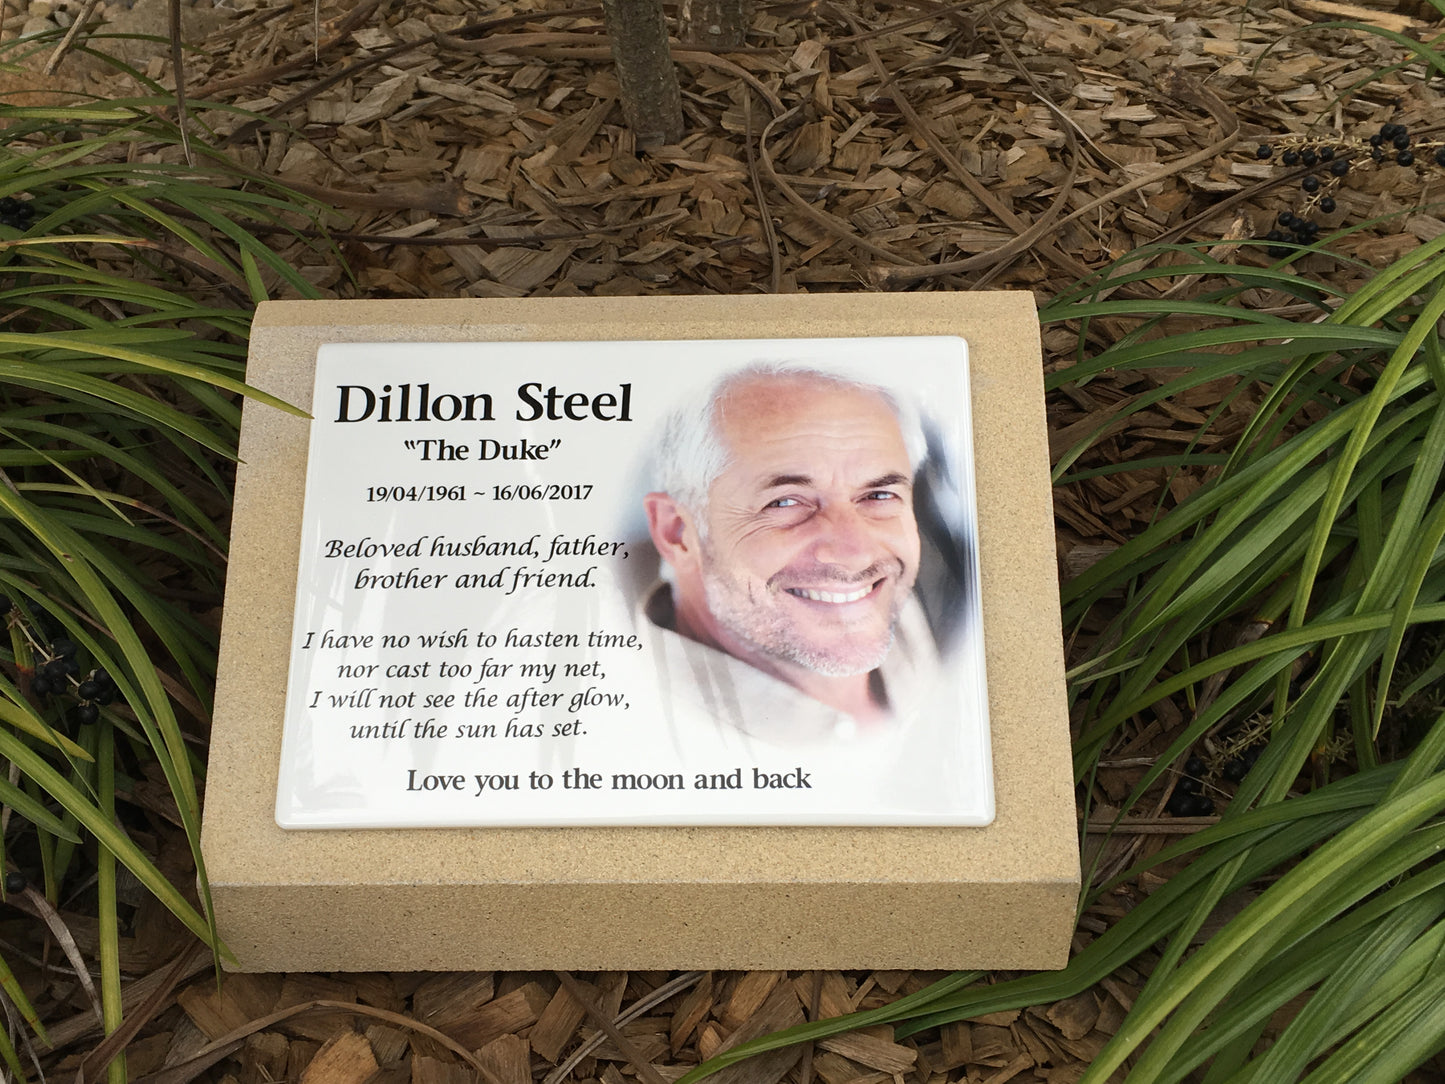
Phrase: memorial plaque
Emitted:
{"points": [[637, 633], [477, 638]]}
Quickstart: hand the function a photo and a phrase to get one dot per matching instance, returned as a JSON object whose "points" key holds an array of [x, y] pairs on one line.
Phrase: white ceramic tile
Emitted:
{"points": [[470, 646]]}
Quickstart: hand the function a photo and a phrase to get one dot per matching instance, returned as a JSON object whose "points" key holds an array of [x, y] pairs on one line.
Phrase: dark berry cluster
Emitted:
{"points": [[1332, 159], [1188, 798], [1393, 141], [59, 664], [58, 671], [1296, 229], [16, 213]]}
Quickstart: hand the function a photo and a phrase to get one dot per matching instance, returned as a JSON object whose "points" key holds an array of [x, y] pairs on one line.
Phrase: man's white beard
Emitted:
{"points": [[769, 632]]}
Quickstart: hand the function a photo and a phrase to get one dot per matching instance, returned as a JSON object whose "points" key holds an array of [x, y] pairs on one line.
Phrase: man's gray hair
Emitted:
{"points": [[691, 453]]}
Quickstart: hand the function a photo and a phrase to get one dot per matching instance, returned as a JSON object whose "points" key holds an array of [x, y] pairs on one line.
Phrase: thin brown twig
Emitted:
{"points": [[1181, 85], [20, 1031], [35, 902], [834, 225], [690, 55], [903, 24], [815, 999], [195, 1065], [981, 192], [242, 28], [1049, 219], [1027, 234], [68, 42], [626, 1016], [214, 1051], [760, 195], [442, 199], [134, 996], [108, 1049], [353, 19], [178, 70], [1151, 826], [662, 218], [245, 131], [626, 1046], [582, 39], [456, 37], [1130, 851], [1189, 161]]}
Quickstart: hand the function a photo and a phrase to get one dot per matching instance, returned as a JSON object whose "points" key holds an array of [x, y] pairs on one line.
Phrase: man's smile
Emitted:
{"points": [[833, 597]]}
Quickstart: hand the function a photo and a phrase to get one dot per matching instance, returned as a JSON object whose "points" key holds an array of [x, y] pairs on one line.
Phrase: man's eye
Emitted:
{"points": [[883, 495], [784, 502]]}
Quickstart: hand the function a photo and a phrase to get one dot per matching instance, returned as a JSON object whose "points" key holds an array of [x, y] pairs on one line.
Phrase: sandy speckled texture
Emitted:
{"points": [[627, 898]]}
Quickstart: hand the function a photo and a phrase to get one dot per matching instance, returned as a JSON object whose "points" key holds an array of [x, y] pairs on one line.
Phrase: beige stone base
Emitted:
{"points": [[628, 898]]}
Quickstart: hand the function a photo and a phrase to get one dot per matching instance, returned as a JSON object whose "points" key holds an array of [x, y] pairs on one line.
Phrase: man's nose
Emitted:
{"points": [[844, 538]]}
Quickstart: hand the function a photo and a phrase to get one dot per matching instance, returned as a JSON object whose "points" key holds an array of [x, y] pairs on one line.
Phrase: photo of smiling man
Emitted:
{"points": [[785, 519]]}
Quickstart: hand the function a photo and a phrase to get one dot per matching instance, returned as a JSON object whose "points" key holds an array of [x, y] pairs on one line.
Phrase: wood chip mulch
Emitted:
{"points": [[479, 151], [524, 1028]]}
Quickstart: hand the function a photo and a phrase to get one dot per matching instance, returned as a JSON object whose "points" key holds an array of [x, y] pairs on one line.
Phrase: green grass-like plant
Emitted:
{"points": [[127, 281], [1323, 522]]}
